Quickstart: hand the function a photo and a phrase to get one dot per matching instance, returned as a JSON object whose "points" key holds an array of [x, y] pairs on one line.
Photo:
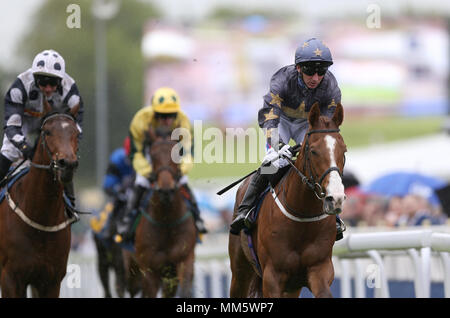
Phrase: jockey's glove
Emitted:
{"points": [[285, 152], [27, 150], [270, 157]]}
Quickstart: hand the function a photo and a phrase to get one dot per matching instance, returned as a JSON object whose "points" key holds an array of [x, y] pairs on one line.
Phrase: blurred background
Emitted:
{"points": [[391, 60]]}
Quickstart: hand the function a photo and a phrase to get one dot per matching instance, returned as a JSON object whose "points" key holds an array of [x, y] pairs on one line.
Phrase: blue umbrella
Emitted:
{"points": [[403, 183]]}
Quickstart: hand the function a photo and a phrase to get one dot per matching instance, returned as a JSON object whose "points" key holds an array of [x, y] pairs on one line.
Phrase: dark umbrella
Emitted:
{"points": [[404, 183]]}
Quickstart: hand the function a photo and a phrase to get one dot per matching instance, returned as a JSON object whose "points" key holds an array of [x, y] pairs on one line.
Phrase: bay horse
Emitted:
{"points": [[35, 233], [295, 231], [166, 234]]}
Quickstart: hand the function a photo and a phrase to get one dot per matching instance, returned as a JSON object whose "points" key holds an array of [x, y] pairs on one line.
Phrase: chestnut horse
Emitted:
{"points": [[296, 228], [166, 234], [35, 233]]}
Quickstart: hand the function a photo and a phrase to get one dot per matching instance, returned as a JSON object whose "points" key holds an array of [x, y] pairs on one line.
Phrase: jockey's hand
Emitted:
{"points": [[285, 152], [271, 156], [27, 150]]}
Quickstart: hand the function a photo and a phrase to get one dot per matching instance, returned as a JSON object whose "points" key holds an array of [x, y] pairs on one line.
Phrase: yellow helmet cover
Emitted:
{"points": [[165, 100]]}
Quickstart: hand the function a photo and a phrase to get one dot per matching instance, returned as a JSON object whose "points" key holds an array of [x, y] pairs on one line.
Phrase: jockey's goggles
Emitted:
{"points": [[165, 115], [43, 80], [311, 69]]}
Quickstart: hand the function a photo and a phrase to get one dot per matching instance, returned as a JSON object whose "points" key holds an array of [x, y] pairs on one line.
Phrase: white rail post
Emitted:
{"points": [[425, 253], [360, 287], [346, 286], [446, 264], [383, 291], [418, 281]]}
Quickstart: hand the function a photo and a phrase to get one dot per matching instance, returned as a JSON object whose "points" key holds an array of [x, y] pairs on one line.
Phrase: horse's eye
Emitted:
{"points": [[47, 133], [313, 152]]}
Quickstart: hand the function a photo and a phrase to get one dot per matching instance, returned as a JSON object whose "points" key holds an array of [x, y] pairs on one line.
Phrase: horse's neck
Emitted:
{"points": [[40, 195], [298, 195]]}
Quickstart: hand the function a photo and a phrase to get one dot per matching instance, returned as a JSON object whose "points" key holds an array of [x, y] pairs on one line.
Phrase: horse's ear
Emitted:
{"points": [[314, 114], [74, 110], [47, 106], [338, 116]]}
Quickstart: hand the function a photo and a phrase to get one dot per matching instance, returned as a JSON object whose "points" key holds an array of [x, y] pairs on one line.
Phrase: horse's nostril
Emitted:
{"points": [[62, 162]]}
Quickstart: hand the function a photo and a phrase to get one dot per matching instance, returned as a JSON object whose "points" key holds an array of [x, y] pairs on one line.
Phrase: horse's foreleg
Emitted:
{"points": [[150, 284], [169, 281], [49, 290], [273, 283], [242, 273], [186, 276], [11, 286], [119, 270], [320, 278]]}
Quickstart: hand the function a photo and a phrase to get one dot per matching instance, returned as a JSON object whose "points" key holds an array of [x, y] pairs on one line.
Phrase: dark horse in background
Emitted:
{"points": [[296, 227], [35, 232], [109, 254], [166, 235]]}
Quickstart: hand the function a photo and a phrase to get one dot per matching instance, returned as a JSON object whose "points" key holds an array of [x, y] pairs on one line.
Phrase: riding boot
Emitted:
{"points": [[340, 228], [199, 224], [5, 163], [70, 194], [257, 184], [124, 224]]}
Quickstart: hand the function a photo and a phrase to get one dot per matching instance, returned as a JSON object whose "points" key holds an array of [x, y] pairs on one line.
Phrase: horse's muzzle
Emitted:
{"points": [[66, 169], [332, 204]]}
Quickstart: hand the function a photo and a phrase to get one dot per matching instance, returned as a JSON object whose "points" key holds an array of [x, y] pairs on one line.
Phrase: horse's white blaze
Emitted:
{"points": [[64, 125], [335, 187]]}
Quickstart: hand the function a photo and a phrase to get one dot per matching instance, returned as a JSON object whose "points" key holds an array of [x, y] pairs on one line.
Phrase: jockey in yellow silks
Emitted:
{"points": [[164, 111]]}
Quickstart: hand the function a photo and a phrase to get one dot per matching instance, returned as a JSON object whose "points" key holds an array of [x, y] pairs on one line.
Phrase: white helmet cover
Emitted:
{"points": [[50, 63]]}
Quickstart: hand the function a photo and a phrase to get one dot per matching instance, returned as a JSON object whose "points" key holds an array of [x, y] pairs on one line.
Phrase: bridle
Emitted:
{"points": [[174, 172], [54, 164], [311, 183]]}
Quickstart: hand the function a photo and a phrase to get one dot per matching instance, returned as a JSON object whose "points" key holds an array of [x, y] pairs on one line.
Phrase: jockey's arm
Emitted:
{"points": [[72, 99], [14, 109], [138, 127]]}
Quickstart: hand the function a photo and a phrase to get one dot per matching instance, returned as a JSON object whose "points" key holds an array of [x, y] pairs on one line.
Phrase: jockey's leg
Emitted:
{"points": [[124, 224], [5, 163], [199, 224], [257, 184]]}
